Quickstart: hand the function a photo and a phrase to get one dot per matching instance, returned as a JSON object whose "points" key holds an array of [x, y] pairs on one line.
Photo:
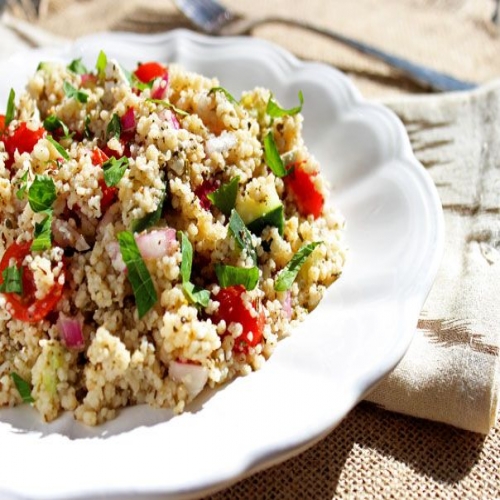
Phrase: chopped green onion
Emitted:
{"points": [[168, 105], [23, 185], [224, 197], [138, 274], [76, 66], [228, 95], [273, 218], [242, 235], [272, 157], [101, 63], [42, 193], [11, 108], [287, 275], [52, 123], [114, 169], [231, 275], [22, 387], [275, 111], [114, 128], [58, 147], [12, 280], [150, 219], [73, 93], [43, 234]]}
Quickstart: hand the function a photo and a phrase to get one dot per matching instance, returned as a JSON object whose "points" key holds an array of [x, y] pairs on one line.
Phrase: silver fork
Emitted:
{"points": [[215, 19]]}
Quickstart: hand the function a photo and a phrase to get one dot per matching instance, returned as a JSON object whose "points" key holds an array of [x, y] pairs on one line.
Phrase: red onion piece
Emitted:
{"points": [[193, 376], [160, 87], [175, 122], [128, 120], [157, 243], [71, 331], [88, 78]]}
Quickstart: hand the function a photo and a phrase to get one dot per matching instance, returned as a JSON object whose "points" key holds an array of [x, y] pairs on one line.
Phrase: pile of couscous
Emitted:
{"points": [[157, 236]]}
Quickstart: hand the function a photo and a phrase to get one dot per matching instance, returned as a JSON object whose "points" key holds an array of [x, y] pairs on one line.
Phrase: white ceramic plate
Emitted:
{"points": [[357, 335]]}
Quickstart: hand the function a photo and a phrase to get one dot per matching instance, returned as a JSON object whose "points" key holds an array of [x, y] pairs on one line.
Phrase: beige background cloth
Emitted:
{"points": [[450, 373]]}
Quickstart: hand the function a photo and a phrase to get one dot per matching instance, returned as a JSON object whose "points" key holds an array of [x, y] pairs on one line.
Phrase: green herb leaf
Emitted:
{"points": [[273, 218], [196, 295], [231, 275], [241, 234], [150, 219], [138, 274], [23, 185], [73, 93], [287, 275], [114, 128], [228, 95], [86, 131], [43, 234], [187, 257], [169, 105], [114, 169], [12, 280], [42, 193], [58, 147], [272, 157], [275, 111], [52, 124], [137, 84], [224, 197], [76, 66], [22, 387], [101, 63], [11, 108]]}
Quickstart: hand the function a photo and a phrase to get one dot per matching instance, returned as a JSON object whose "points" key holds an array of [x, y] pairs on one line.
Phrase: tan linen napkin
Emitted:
{"points": [[450, 373]]}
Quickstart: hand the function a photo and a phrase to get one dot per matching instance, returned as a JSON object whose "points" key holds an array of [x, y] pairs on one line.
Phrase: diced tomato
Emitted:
{"points": [[146, 72], [2, 124], [21, 139], [309, 200], [232, 309], [27, 307], [108, 193], [208, 186]]}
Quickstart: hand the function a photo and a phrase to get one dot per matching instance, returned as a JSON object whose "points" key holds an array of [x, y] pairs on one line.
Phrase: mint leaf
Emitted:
{"points": [[231, 275], [100, 65], [272, 157], [228, 95], [273, 218], [76, 66], [138, 274], [195, 294], [73, 93], [11, 108], [43, 234], [23, 185], [150, 219], [58, 147], [52, 124], [224, 197], [287, 275], [42, 193], [12, 280], [275, 111], [114, 169], [87, 133], [22, 387], [114, 128], [241, 234]]}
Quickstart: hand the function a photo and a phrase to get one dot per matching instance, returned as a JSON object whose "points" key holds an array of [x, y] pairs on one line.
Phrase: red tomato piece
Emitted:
{"points": [[208, 186], [2, 124], [21, 139], [26, 307], [108, 193], [146, 72], [309, 200], [232, 309]]}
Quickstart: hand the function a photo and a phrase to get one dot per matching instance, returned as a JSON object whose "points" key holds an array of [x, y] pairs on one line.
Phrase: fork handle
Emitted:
{"points": [[423, 76]]}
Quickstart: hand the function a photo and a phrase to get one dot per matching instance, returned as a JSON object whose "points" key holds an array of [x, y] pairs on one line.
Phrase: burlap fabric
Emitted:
{"points": [[451, 371]]}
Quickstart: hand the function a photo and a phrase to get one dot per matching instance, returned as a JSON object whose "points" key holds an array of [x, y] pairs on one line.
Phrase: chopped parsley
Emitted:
{"points": [[76, 66], [43, 234], [58, 147], [138, 274], [114, 169], [73, 93], [272, 157], [242, 235], [42, 193], [224, 197], [87, 133], [150, 219], [12, 280], [231, 275], [287, 275], [275, 111], [195, 294], [114, 128], [100, 65], [228, 95], [52, 124], [11, 108], [22, 387], [23, 185]]}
